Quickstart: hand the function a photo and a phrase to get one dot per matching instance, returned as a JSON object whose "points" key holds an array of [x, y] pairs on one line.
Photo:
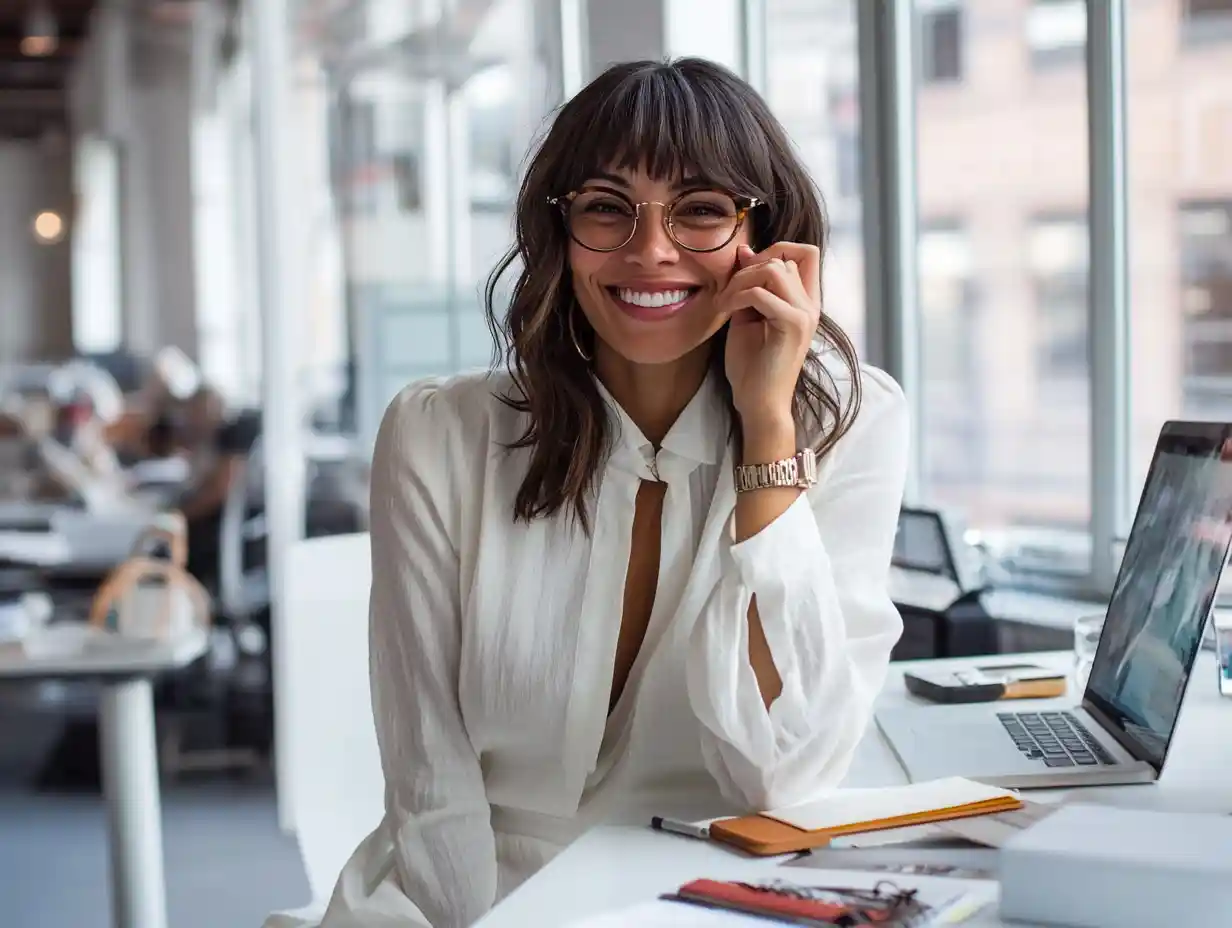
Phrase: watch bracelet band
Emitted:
{"points": [[799, 470]]}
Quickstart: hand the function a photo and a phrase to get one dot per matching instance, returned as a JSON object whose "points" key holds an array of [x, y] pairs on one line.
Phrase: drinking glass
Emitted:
{"points": [[1087, 629]]}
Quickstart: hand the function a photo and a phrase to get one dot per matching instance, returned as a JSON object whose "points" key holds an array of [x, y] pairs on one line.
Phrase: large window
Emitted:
{"points": [[1206, 306], [1059, 253], [1180, 215], [957, 440], [812, 86], [1006, 386]]}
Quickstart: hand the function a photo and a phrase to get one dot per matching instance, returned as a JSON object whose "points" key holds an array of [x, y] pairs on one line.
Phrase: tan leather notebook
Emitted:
{"points": [[854, 811]]}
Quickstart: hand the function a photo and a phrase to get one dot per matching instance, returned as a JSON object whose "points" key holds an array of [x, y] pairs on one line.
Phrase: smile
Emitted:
{"points": [[651, 305]]}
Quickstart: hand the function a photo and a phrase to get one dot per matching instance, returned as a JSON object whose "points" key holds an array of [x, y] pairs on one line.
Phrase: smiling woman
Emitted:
{"points": [[643, 571], [658, 176]]}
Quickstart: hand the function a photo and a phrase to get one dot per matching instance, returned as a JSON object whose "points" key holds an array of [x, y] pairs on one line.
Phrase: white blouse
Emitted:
{"points": [[493, 642]]}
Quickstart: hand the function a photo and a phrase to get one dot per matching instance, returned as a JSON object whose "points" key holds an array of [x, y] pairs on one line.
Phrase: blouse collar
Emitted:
{"points": [[700, 433]]}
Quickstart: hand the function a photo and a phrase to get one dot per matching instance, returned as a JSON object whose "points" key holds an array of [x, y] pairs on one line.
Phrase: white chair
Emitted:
{"points": [[337, 794]]}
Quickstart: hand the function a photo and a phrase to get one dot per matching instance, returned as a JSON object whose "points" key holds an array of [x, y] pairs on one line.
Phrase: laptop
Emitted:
{"points": [[1164, 592]]}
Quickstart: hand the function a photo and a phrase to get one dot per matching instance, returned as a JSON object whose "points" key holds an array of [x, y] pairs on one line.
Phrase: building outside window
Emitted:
{"points": [[1056, 32], [1059, 250], [1179, 121], [1006, 443], [955, 448], [1206, 303], [941, 36], [1207, 20]]}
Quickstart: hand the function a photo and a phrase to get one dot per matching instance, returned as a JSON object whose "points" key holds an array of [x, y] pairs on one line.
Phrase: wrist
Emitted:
{"points": [[767, 438]]}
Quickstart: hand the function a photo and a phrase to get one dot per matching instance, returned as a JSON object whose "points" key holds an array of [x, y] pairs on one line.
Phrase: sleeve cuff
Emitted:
{"points": [[788, 547]]}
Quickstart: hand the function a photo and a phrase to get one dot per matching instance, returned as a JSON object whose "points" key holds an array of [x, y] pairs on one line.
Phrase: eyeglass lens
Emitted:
{"points": [[700, 221]]}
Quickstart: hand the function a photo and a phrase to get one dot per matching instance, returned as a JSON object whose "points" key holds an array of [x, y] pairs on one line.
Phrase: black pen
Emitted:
{"points": [[677, 827]]}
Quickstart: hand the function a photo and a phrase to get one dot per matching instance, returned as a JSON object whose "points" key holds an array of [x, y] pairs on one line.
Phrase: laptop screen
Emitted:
{"points": [[1166, 585]]}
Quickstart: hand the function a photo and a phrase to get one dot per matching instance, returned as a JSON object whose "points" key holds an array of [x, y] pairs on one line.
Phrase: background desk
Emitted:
{"points": [[1002, 621], [129, 760], [609, 867]]}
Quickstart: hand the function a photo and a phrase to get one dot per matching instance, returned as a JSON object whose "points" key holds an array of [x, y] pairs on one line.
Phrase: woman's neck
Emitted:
{"points": [[652, 395]]}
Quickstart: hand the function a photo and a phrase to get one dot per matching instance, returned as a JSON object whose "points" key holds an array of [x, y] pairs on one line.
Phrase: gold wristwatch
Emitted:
{"points": [[799, 470]]}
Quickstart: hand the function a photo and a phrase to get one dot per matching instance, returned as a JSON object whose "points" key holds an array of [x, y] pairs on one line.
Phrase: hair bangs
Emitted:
{"points": [[673, 122]]}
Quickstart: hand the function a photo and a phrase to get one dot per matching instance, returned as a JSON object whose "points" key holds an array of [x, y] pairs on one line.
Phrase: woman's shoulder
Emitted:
{"points": [[455, 401], [882, 417], [880, 393], [445, 420]]}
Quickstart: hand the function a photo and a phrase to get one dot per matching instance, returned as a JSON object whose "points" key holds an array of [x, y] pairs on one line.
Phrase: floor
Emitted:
{"points": [[227, 863]]}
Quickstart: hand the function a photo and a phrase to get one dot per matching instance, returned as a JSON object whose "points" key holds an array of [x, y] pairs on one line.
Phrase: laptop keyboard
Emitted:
{"points": [[1057, 738]]}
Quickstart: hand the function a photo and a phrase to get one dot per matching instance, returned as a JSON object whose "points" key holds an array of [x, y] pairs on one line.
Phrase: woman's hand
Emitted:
{"points": [[774, 302]]}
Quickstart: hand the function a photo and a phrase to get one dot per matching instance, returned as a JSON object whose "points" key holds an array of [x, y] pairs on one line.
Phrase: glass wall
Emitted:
{"points": [[1180, 210], [812, 84], [421, 113], [1003, 241], [1001, 106]]}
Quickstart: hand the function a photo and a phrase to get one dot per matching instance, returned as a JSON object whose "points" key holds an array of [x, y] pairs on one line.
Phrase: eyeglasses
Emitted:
{"points": [[700, 221]]}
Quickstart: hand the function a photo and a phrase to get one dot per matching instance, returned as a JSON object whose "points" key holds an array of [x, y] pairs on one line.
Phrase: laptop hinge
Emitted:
{"points": [[1118, 734]]}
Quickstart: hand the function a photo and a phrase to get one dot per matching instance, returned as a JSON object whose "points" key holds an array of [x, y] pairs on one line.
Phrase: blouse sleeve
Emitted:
{"points": [[820, 573], [435, 803]]}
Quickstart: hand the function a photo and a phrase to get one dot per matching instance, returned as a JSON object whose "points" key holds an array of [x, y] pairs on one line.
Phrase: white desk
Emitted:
{"points": [[75, 541], [609, 867], [129, 759]]}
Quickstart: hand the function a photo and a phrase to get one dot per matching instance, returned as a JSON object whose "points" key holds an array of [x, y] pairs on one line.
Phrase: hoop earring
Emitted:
{"points": [[577, 346]]}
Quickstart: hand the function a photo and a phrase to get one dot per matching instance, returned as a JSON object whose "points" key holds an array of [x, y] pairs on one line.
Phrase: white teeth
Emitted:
{"points": [[653, 300]]}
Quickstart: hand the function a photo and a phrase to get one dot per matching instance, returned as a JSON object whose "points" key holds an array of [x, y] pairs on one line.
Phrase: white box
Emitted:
{"points": [[1089, 866]]}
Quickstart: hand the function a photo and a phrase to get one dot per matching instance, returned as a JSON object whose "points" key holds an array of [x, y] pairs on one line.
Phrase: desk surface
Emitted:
{"points": [[120, 659], [74, 540], [610, 867]]}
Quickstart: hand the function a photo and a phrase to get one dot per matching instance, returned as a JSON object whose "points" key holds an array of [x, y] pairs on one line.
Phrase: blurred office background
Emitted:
{"points": [[297, 203]]}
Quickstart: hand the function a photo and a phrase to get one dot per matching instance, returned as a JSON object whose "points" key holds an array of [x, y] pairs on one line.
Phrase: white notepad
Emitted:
{"points": [[847, 806]]}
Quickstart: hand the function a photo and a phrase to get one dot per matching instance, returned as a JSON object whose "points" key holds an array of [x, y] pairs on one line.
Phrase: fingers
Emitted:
{"points": [[806, 257], [776, 275], [759, 304]]}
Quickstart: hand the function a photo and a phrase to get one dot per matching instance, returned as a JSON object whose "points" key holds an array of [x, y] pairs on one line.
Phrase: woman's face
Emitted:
{"points": [[651, 301]]}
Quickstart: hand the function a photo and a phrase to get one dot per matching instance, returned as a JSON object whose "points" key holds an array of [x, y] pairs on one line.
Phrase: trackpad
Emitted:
{"points": [[972, 746]]}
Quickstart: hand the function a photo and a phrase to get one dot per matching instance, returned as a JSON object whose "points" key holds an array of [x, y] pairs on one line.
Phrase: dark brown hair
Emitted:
{"points": [[685, 116]]}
